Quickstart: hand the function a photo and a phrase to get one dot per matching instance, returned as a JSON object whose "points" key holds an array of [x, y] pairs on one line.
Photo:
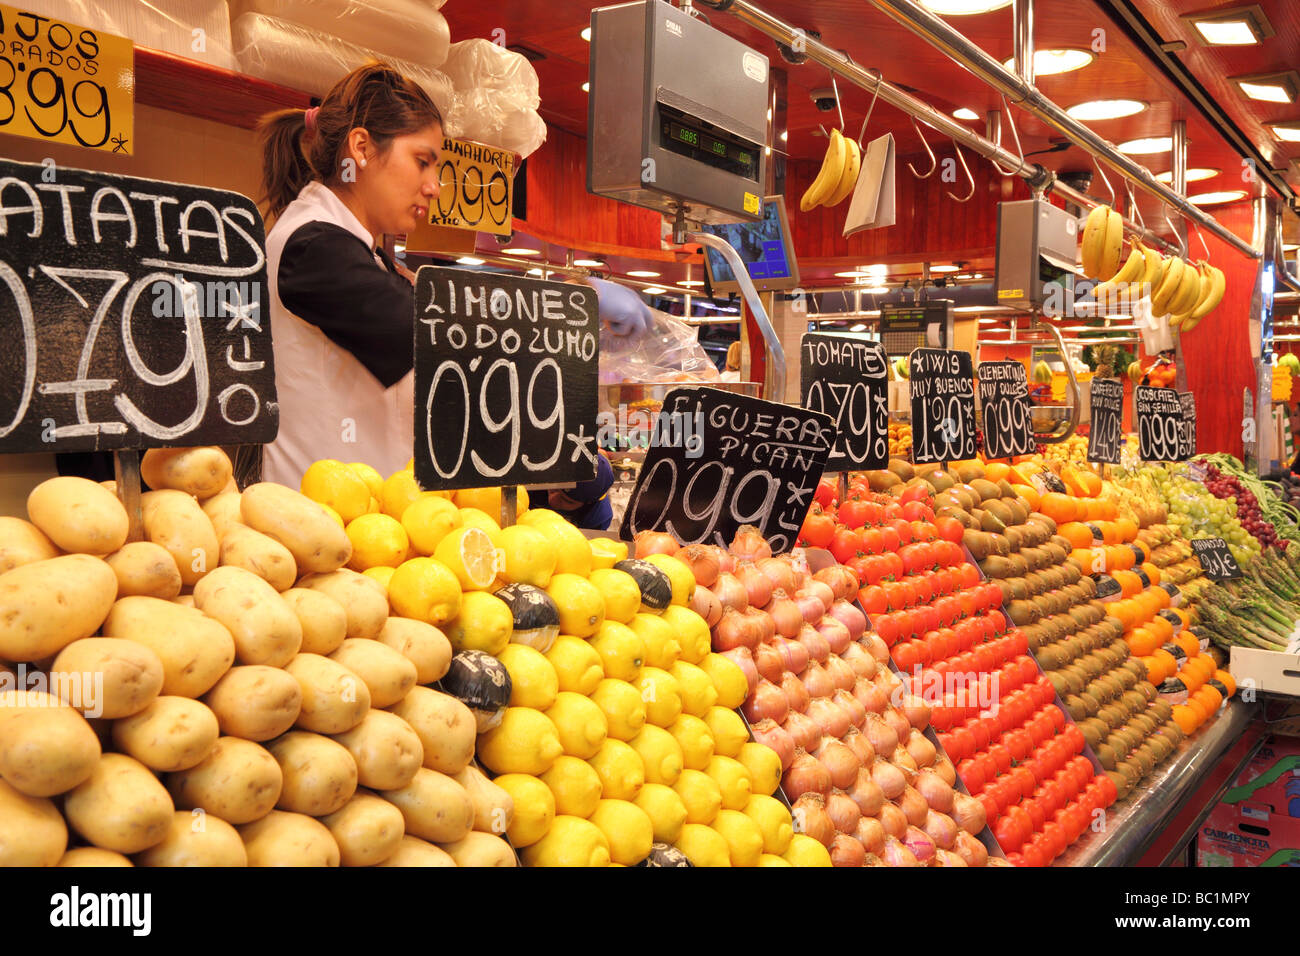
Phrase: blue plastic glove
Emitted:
{"points": [[621, 309]]}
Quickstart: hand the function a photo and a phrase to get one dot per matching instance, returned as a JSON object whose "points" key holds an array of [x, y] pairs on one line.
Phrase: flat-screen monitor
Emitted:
{"points": [[764, 246]]}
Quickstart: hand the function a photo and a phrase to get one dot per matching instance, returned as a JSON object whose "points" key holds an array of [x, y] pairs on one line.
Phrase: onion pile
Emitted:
{"points": [[863, 778]]}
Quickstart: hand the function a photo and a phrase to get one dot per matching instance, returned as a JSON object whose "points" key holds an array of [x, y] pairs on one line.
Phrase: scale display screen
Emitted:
{"points": [[765, 247], [683, 135]]}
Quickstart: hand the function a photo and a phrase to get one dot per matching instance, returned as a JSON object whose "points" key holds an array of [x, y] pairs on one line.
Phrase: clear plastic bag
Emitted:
{"points": [[496, 96], [668, 351], [195, 29], [303, 59], [410, 30]]}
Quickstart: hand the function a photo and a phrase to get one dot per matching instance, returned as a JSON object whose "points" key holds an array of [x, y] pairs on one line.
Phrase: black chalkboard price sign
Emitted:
{"points": [[1106, 433], [133, 314], [847, 377], [719, 460], [1187, 437], [505, 380], [943, 405], [1004, 401], [1159, 418], [1216, 560]]}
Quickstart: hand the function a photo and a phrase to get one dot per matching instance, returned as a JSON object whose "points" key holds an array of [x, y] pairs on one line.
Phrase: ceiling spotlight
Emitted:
{"points": [[1094, 110], [965, 114], [589, 263], [586, 34], [691, 283], [1143, 147], [875, 289], [1281, 87], [962, 8], [1286, 132], [653, 290], [860, 327], [643, 274], [1052, 62], [1217, 198], [934, 269], [521, 251], [855, 274], [586, 87], [1241, 26], [470, 261], [1194, 175]]}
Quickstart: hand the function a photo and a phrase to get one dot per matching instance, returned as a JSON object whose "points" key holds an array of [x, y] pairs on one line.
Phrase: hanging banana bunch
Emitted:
{"points": [[1103, 241], [1213, 285], [838, 175]]}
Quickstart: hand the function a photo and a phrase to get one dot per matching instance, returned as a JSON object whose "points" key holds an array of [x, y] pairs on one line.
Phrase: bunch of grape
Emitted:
{"points": [[1248, 511], [1196, 513]]}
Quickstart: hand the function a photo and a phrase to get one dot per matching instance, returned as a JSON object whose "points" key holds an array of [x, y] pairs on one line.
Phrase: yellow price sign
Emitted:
{"points": [[64, 83], [477, 188]]}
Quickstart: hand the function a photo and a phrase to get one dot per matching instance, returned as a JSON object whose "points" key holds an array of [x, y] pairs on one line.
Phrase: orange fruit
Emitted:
{"points": [[1182, 616], [1224, 678], [1129, 583], [1191, 647], [1076, 533], [1186, 718], [1125, 612], [995, 471], [1168, 665], [1028, 492], [1057, 507], [1096, 508], [1118, 556], [1161, 598], [1091, 483], [1141, 641], [1211, 698], [1198, 707], [1163, 630], [1127, 528], [1110, 508], [1083, 559], [1014, 477], [1152, 572]]}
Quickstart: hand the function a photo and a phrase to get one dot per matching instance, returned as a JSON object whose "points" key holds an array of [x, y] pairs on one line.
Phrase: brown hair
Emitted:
{"points": [[374, 97]]}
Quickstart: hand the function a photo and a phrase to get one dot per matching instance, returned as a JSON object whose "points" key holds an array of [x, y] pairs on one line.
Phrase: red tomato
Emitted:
{"points": [[929, 617], [923, 529], [1028, 669], [875, 513], [845, 545], [1038, 769], [968, 576], [1057, 717], [892, 511], [917, 511], [861, 567], [1031, 854], [1015, 859], [1106, 787], [906, 656], [1008, 834], [970, 603], [924, 585], [1083, 773], [979, 731], [1056, 838], [903, 528], [893, 565], [873, 600], [818, 527], [1008, 678], [998, 620], [826, 492], [871, 541], [992, 597], [963, 741], [1024, 778], [991, 809], [985, 658], [1001, 757], [888, 628], [988, 764], [950, 529], [853, 513], [917, 492], [1074, 735], [1052, 796]]}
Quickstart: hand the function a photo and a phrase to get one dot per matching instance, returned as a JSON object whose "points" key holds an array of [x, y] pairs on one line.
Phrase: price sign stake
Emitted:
{"points": [[847, 377], [1159, 417], [943, 405], [1105, 435], [1004, 400], [1216, 559]]}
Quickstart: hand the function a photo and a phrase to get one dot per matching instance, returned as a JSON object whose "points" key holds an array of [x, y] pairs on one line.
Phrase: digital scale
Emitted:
{"points": [[677, 114]]}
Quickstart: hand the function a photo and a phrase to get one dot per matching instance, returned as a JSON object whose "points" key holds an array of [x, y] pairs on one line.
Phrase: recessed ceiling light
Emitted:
{"points": [[691, 283], [961, 8], [860, 327], [1215, 198], [536, 272], [978, 275], [1194, 175], [1105, 109], [1279, 87], [643, 274], [470, 261], [521, 251], [965, 114], [1142, 147], [945, 268], [653, 290], [785, 135], [875, 289], [989, 321], [588, 263], [1052, 62], [856, 274], [1290, 246], [1286, 132], [1241, 26], [586, 34], [586, 87]]}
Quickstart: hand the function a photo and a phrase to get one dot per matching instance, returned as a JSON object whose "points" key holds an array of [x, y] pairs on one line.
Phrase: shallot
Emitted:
{"points": [[921, 750], [843, 676], [793, 654], [913, 806], [893, 820], [706, 604], [889, 778], [654, 542], [730, 592], [920, 843], [734, 630], [970, 849], [750, 543], [761, 622], [947, 858], [916, 710], [779, 571], [944, 768], [795, 692], [844, 813], [703, 561], [811, 638], [803, 729], [968, 813], [883, 737], [742, 658], [871, 834], [818, 681], [837, 635], [852, 618], [820, 590], [896, 853], [857, 741], [829, 716], [940, 828], [842, 581], [938, 793], [872, 696], [897, 722], [866, 793], [840, 762], [765, 702], [857, 713], [876, 647], [768, 662], [786, 615], [811, 819], [847, 851], [810, 606], [856, 656], [805, 775]]}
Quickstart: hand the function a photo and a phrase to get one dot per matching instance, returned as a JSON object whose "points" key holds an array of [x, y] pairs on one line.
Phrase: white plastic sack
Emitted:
{"points": [[406, 29], [306, 60], [195, 29], [496, 96]]}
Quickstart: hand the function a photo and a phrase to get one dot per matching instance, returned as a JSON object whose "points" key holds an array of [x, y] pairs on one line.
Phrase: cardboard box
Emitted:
{"points": [[1258, 821]]}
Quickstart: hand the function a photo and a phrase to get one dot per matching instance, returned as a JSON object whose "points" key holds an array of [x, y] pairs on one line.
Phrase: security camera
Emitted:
{"points": [[824, 99]]}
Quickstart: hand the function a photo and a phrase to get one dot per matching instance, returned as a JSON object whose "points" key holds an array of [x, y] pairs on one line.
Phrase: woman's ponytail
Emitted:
{"points": [[285, 169]]}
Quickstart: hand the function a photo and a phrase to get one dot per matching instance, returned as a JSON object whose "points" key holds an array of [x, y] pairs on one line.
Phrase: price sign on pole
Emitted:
{"points": [[1004, 400], [63, 83], [720, 460], [133, 313], [1216, 560], [1106, 434], [477, 188], [1159, 417], [505, 380], [943, 405], [847, 377], [1187, 438]]}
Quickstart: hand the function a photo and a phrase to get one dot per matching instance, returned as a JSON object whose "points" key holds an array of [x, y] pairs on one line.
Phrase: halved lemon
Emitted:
{"points": [[470, 555]]}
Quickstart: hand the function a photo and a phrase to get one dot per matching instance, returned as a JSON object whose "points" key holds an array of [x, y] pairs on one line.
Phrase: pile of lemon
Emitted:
{"points": [[621, 734]]}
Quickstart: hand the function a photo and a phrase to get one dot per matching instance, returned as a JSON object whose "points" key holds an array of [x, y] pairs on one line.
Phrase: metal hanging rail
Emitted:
{"points": [[940, 35], [1024, 94]]}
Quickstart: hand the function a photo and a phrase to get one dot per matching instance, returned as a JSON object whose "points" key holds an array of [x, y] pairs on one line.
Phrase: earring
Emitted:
{"points": [[363, 164]]}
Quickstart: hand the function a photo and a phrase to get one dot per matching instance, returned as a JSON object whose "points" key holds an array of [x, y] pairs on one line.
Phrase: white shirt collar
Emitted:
{"points": [[318, 194]]}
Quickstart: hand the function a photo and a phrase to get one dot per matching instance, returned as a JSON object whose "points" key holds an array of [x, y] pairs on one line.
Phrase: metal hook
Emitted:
{"points": [[1133, 205], [880, 78], [1182, 245], [1204, 245], [1006, 108], [835, 88], [934, 163], [1100, 172], [961, 156]]}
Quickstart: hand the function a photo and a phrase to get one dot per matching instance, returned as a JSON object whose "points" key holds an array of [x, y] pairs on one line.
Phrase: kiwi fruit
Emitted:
{"points": [[985, 489], [970, 471], [995, 566], [1001, 546], [978, 543], [1122, 786], [1076, 707], [1174, 732], [1019, 589], [1089, 588], [1161, 710], [1146, 689], [1092, 737], [1062, 544], [903, 469], [1057, 553], [991, 523], [1019, 566], [1056, 578], [1072, 574], [1112, 716], [1019, 512], [880, 481], [1045, 521], [1145, 760], [1013, 536], [1126, 677], [1059, 682], [1105, 754], [940, 480], [1023, 612]]}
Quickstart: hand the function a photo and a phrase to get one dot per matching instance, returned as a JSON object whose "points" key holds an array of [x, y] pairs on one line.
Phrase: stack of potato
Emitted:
{"points": [[224, 692]]}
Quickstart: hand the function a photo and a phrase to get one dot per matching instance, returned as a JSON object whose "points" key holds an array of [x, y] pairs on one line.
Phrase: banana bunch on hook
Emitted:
{"points": [[838, 175]]}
